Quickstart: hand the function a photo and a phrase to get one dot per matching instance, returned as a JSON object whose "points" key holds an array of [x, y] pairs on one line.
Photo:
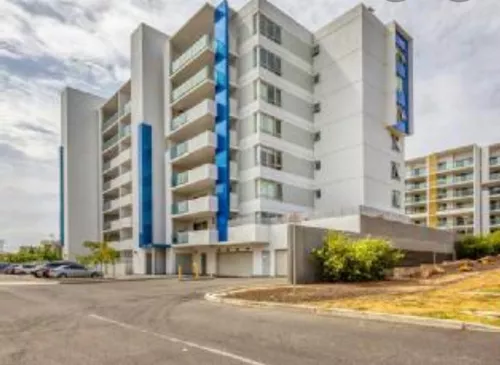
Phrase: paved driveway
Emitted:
{"points": [[168, 322]]}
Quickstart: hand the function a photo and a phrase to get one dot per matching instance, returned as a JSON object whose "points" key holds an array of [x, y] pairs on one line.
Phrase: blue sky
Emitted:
{"points": [[47, 44]]}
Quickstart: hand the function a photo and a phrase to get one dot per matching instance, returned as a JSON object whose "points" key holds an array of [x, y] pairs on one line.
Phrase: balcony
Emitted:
{"points": [[198, 119], [115, 117], [495, 222], [413, 201], [455, 210], [495, 176], [455, 165], [125, 200], [123, 157], [415, 187], [123, 133], [117, 182], [203, 237], [200, 51], [198, 87], [200, 178], [126, 222], [455, 180], [111, 205], [200, 207], [198, 150], [495, 161]]}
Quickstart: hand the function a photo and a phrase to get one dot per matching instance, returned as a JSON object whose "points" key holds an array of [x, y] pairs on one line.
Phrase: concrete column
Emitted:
{"points": [[139, 261], [211, 262], [170, 261], [153, 261]]}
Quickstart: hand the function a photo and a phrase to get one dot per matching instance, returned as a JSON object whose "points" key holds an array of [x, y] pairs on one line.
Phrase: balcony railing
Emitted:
{"points": [[416, 173], [416, 186], [192, 52], [110, 141], [180, 178], [178, 150], [414, 201], [190, 84], [494, 160], [495, 176], [180, 207], [494, 222], [116, 116], [454, 165]]}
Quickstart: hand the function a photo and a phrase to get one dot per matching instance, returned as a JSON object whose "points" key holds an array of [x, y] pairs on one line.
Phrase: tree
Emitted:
{"points": [[342, 258], [101, 253]]}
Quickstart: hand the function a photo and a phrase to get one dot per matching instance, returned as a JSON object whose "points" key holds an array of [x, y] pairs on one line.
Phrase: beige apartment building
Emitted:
{"points": [[456, 189]]}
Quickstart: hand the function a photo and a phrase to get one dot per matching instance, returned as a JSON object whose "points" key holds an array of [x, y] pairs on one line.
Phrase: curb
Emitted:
{"points": [[354, 314]]}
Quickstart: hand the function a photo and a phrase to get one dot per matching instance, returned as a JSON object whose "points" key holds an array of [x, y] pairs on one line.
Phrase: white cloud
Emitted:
{"points": [[46, 44]]}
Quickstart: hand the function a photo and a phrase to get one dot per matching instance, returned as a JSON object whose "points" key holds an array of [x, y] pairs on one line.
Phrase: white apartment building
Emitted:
{"points": [[238, 120], [456, 189]]}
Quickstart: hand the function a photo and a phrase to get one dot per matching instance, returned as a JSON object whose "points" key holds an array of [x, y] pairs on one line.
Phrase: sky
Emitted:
{"points": [[46, 45]]}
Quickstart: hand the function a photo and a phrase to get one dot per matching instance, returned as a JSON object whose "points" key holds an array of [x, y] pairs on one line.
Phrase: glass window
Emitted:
{"points": [[255, 21], [269, 189], [270, 125], [395, 175], [315, 50], [270, 29], [395, 143], [270, 61], [269, 157], [396, 199], [270, 93]]}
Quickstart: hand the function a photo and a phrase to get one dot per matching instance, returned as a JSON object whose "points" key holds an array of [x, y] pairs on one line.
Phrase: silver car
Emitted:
{"points": [[73, 271]]}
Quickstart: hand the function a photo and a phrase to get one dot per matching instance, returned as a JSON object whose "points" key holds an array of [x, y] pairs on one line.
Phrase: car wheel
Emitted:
{"points": [[94, 275], [62, 276]]}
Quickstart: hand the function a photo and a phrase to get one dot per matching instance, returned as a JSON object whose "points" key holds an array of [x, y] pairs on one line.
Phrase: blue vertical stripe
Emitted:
{"points": [[61, 195], [145, 184], [402, 93], [222, 152]]}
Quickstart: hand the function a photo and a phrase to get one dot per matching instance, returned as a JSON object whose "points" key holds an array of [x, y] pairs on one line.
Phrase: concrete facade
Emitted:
{"points": [[311, 117]]}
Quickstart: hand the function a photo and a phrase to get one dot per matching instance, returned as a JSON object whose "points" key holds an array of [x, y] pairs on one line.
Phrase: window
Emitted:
{"points": [[269, 61], [269, 189], [395, 171], [255, 56], [442, 206], [199, 226], [395, 143], [315, 50], [255, 22], [268, 124], [396, 199], [317, 107], [269, 157], [270, 93], [316, 78], [317, 165], [318, 194], [270, 29], [317, 136]]}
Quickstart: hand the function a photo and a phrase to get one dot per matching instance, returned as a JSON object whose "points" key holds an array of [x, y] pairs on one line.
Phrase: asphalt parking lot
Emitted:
{"points": [[168, 322]]}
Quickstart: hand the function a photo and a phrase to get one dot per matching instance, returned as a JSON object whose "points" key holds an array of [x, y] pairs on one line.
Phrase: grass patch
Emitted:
{"points": [[454, 301]]}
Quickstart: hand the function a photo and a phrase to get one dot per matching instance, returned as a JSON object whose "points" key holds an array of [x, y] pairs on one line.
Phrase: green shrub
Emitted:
{"points": [[475, 247], [344, 259]]}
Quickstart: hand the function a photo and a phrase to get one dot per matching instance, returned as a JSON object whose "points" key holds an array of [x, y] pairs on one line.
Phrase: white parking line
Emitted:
{"points": [[21, 283], [212, 350]]}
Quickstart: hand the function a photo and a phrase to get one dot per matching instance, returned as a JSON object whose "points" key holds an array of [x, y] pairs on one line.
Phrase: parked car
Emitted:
{"points": [[42, 271], [73, 271], [10, 270], [3, 266], [24, 269]]}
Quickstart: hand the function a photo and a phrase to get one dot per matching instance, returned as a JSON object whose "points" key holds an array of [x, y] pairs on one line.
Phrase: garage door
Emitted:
{"points": [[185, 261], [281, 262], [235, 263]]}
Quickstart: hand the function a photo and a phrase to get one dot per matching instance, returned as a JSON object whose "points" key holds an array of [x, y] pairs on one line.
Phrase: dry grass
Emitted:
{"points": [[466, 300]]}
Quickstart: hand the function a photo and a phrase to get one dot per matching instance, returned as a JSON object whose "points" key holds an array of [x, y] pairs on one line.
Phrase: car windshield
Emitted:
{"points": [[29, 266]]}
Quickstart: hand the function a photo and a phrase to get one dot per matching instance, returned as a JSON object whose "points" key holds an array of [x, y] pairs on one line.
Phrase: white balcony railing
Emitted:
{"points": [[201, 205], [199, 78], [206, 107], [195, 237]]}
